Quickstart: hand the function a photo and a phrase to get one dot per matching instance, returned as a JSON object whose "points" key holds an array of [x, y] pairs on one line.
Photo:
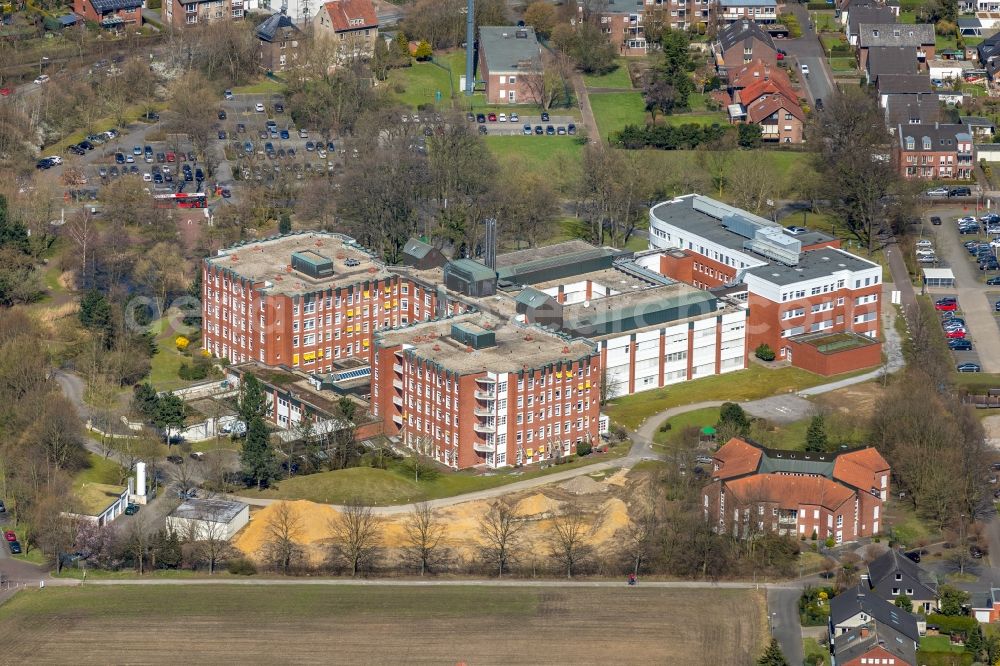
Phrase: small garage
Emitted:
{"points": [[209, 519], [939, 277]]}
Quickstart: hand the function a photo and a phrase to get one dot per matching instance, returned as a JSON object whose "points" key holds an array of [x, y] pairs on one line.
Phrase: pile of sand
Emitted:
{"points": [[619, 478], [583, 485], [614, 518], [537, 504]]}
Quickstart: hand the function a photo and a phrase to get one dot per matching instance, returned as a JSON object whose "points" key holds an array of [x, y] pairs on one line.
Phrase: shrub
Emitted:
{"points": [[241, 567], [830, 543], [666, 426], [764, 353], [181, 342], [584, 448], [952, 624], [193, 372]]}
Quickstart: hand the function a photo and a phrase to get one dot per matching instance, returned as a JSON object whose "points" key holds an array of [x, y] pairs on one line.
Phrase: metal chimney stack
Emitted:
{"points": [[470, 45], [490, 244]]}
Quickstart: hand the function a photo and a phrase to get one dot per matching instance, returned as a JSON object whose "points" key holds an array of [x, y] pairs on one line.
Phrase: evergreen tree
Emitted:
{"points": [[975, 643], [169, 413], [252, 402], [284, 224], [951, 600], [816, 439], [145, 401], [773, 656], [257, 457], [733, 419], [95, 315]]}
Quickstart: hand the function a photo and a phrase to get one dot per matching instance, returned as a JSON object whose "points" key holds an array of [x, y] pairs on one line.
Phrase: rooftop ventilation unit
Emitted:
{"points": [[775, 244], [719, 210]]}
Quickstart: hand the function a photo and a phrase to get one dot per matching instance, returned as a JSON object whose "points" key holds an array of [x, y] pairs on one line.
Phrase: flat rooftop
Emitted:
{"points": [[681, 213], [510, 48], [544, 252], [813, 264], [833, 343], [210, 510], [613, 278], [517, 346], [639, 309], [267, 263]]}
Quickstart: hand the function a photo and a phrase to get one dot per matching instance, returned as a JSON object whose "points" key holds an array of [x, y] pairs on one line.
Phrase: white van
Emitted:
{"points": [[44, 78]]}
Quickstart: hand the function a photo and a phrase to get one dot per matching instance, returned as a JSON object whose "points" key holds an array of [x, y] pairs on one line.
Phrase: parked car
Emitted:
{"points": [[819, 103], [936, 221], [131, 509], [259, 108], [968, 367], [993, 281], [545, 116], [960, 192], [960, 344], [228, 94], [913, 556], [502, 118], [526, 130], [222, 114], [177, 460], [956, 333], [937, 192], [539, 129], [976, 552], [924, 243], [15, 547], [550, 130], [3, 507], [44, 78], [283, 134], [9, 535], [571, 129], [279, 108], [946, 304], [492, 117], [805, 69]]}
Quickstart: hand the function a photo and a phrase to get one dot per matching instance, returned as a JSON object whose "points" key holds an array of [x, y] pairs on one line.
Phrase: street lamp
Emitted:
{"points": [[41, 60]]}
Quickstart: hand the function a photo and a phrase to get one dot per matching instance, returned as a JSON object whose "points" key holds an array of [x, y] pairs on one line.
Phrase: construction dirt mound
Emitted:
{"points": [[583, 485], [537, 504]]}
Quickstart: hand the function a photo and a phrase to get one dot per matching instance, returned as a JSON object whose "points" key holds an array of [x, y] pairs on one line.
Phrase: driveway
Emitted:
{"points": [[972, 293], [783, 616], [807, 50]]}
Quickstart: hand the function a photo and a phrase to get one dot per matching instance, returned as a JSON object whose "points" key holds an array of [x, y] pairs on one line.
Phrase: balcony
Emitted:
{"points": [[484, 447], [397, 419], [397, 400], [482, 411], [486, 380], [485, 395], [398, 383], [397, 368], [484, 428]]}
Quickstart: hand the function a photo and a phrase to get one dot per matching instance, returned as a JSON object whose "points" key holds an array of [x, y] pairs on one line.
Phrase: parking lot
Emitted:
{"points": [[975, 299]]}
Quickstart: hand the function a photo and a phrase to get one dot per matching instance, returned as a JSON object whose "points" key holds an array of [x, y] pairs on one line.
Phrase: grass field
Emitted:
{"points": [[619, 78], [263, 87], [751, 384], [382, 625], [555, 158], [395, 486], [788, 436], [613, 111], [418, 84]]}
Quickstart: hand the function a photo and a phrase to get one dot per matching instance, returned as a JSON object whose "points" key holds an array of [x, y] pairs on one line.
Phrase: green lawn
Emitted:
{"points": [[812, 649], [394, 486], [788, 436], [99, 470], [751, 384], [908, 16], [843, 64], [939, 644], [131, 115], [549, 157], [618, 78], [613, 111], [416, 85], [906, 526], [709, 118]]}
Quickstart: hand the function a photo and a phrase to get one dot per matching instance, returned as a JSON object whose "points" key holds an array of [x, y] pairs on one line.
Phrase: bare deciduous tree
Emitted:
{"points": [[424, 536], [569, 538], [284, 527], [357, 536], [500, 529]]}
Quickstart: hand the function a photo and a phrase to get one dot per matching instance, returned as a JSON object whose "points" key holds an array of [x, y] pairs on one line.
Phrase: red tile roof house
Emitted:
{"points": [[834, 495], [781, 119], [352, 24]]}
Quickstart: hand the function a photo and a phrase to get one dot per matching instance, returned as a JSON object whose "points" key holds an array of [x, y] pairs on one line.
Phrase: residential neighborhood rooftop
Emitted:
{"points": [[510, 48], [812, 265]]}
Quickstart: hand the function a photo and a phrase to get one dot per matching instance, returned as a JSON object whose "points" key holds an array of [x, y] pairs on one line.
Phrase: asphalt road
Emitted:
{"points": [[807, 50], [783, 617]]}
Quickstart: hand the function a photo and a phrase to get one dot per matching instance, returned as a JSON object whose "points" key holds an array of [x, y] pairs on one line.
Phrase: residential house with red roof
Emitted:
{"points": [[352, 25], [836, 495], [780, 118], [762, 94]]}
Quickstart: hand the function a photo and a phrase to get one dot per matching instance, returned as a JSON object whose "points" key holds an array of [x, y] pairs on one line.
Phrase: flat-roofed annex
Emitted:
{"points": [[268, 263]]}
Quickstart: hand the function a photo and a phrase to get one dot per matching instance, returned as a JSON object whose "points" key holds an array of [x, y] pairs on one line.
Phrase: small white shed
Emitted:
{"points": [[939, 277], [209, 519]]}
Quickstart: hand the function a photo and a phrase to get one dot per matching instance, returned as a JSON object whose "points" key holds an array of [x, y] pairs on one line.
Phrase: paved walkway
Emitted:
{"points": [[588, 114]]}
